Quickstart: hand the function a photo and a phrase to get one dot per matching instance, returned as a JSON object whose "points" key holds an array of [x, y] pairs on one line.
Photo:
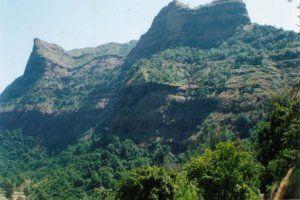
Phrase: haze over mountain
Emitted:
{"points": [[195, 78]]}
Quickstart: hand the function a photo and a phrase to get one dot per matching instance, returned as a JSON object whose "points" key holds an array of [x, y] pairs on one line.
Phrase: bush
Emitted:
{"points": [[147, 183]]}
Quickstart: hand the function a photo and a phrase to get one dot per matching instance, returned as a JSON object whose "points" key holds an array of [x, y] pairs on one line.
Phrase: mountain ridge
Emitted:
{"points": [[174, 94], [179, 25]]}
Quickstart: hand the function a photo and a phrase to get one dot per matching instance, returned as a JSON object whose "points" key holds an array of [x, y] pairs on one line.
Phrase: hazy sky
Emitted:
{"points": [[82, 23]]}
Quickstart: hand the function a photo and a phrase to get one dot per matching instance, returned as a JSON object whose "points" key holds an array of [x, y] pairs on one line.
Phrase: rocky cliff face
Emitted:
{"points": [[202, 27]]}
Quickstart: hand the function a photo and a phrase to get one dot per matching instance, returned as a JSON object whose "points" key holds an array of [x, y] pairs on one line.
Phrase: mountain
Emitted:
{"points": [[76, 122], [195, 72], [59, 87], [178, 25]]}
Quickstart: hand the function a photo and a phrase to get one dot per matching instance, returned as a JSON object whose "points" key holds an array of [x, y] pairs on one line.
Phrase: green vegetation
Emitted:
{"points": [[228, 172], [278, 139], [85, 55], [18, 153], [186, 123], [226, 86], [231, 170], [107, 167], [147, 183], [90, 169], [241, 74]]}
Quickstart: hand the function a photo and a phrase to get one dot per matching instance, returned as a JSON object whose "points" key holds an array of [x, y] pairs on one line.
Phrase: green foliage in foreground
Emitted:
{"points": [[154, 183], [226, 173], [109, 168], [93, 169], [89, 169], [278, 138], [231, 172], [148, 183]]}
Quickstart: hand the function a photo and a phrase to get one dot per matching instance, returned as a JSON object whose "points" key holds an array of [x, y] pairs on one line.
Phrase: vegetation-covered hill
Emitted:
{"points": [[77, 121], [59, 88], [184, 92], [107, 167], [194, 90]]}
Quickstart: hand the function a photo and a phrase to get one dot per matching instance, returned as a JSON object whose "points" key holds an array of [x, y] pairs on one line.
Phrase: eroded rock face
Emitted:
{"points": [[45, 56], [202, 27]]}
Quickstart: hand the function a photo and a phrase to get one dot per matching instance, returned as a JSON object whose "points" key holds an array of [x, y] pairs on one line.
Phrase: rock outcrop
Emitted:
{"points": [[202, 27], [45, 55]]}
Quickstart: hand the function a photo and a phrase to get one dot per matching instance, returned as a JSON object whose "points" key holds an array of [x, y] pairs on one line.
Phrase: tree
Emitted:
{"points": [[280, 130], [278, 138], [147, 183], [227, 173]]}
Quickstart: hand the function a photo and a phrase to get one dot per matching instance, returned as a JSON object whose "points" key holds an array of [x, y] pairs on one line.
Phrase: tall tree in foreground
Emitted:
{"points": [[228, 173], [278, 138], [147, 183]]}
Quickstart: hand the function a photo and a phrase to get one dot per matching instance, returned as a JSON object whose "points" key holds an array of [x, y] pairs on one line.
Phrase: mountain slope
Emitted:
{"points": [[60, 87], [185, 90], [182, 84]]}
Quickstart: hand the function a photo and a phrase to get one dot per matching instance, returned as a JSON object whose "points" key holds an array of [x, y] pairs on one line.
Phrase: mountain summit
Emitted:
{"points": [[201, 27], [44, 56]]}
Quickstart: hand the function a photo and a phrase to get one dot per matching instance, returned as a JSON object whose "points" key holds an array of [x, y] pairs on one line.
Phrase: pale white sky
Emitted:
{"points": [[81, 23]]}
